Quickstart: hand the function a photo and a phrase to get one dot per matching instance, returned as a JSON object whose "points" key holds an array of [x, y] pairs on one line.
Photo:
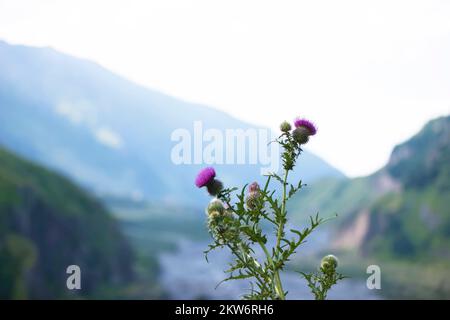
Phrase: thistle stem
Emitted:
{"points": [[283, 212], [242, 258], [276, 282], [280, 234]]}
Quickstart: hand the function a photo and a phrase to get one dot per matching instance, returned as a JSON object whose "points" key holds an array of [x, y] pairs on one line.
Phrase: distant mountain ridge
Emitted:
{"points": [[107, 133]]}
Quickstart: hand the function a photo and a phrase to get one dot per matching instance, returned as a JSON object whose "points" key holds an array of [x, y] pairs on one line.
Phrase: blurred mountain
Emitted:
{"points": [[46, 224], [108, 133], [415, 222], [402, 210]]}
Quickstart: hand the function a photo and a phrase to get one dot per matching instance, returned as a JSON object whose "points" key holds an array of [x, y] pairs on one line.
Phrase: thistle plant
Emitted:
{"points": [[238, 220], [321, 281]]}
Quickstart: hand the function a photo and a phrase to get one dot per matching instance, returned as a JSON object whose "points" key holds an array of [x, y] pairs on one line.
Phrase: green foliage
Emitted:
{"points": [[321, 282], [412, 224], [17, 257]]}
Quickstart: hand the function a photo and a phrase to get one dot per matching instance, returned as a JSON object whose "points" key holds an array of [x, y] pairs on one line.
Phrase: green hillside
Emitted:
{"points": [[329, 196], [415, 222], [46, 224], [408, 199]]}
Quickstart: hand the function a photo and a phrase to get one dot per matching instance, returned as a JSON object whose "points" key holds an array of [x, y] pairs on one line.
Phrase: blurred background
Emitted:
{"points": [[90, 92]]}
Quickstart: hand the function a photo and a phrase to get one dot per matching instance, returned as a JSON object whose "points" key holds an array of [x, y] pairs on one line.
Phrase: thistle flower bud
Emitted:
{"points": [[215, 206], [214, 187], [253, 196], [252, 200], [329, 262], [221, 226], [213, 215], [285, 126], [301, 135]]}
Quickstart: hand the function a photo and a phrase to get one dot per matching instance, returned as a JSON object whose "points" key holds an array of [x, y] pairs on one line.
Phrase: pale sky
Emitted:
{"points": [[369, 73]]}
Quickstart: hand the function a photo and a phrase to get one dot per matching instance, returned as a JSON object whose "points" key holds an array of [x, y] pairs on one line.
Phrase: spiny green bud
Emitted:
{"points": [[214, 187], [301, 135], [329, 262], [220, 225], [214, 218], [215, 206], [285, 126]]}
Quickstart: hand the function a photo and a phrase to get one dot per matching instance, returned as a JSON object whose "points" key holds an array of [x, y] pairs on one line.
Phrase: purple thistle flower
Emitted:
{"points": [[205, 177], [306, 124]]}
